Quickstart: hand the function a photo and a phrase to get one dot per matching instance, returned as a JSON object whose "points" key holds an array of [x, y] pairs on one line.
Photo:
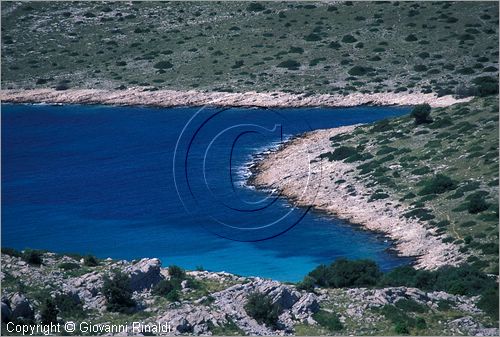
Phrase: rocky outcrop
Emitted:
{"points": [[296, 306], [88, 289], [21, 307], [144, 274], [6, 310]]}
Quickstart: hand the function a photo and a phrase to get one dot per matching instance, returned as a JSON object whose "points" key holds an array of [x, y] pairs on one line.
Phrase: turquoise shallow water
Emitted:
{"points": [[103, 180]]}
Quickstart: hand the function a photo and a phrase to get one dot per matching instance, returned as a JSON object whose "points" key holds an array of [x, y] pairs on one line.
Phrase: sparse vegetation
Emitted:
{"points": [[168, 51], [118, 295], [260, 307]]}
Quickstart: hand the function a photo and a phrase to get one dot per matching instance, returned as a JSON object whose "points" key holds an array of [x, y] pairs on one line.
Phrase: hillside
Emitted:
{"points": [[445, 170], [311, 48], [431, 187]]}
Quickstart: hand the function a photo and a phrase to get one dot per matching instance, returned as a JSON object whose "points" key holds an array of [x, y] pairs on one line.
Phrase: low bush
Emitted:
{"points": [[116, 290], [255, 7], [11, 252], [307, 284], [409, 305], [486, 85], [69, 266], [163, 288], [69, 306], [48, 312], [289, 64], [176, 272], [163, 65], [33, 257], [261, 308], [477, 204], [439, 184], [90, 261], [345, 273], [328, 320], [340, 153], [421, 113], [359, 70], [349, 39], [489, 302]]}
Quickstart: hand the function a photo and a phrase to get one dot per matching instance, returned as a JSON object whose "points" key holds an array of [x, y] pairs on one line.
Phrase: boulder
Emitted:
{"points": [[144, 274], [87, 288], [6, 312], [282, 295], [305, 306], [21, 307]]}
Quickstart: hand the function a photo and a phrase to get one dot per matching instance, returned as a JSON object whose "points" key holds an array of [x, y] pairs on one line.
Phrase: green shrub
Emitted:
{"points": [[168, 289], [420, 67], [48, 312], [69, 306], [116, 290], [255, 7], [381, 126], [163, 65], [463, 280], [486, 85], [260, 307], [477, 204], [312, 37], [334, 45], [489, 302], [90, 261], [307, 284], [401, 328], [378, 196], [420, 323], [402, 322], [345, 273], [174, 296], [411, 38], [409, 305], [349, 39], [11, 252], [437, 185], [297, 50], [421, 113], [176, 272], [359, 71], [33, 257], [340, 153], [289, 64], [69, 266], [328, 320]]}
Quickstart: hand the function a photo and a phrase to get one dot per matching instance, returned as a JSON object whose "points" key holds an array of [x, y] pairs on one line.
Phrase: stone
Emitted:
{"points": [[144, 274], [21, 307], [6, 312], [305, 306]]}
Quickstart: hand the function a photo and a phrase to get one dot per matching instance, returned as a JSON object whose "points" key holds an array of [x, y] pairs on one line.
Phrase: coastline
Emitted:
{"points": [[172, 98], [286, 171]]}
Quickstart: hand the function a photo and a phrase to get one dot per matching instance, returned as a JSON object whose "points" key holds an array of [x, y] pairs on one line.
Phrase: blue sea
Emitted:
{"points": [[133, 182]]}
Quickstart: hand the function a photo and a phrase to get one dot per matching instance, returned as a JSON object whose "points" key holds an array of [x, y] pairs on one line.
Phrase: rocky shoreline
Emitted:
{"points": [[173, 98], [214, 311], [296, 171]]}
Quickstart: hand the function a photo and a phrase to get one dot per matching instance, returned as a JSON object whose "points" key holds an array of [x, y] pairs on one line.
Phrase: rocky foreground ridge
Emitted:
{"points": [[217, 304]]}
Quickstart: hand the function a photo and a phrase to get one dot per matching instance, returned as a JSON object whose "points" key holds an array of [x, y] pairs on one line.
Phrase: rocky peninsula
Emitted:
{"points": [[297, 173], [172, 98]]}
